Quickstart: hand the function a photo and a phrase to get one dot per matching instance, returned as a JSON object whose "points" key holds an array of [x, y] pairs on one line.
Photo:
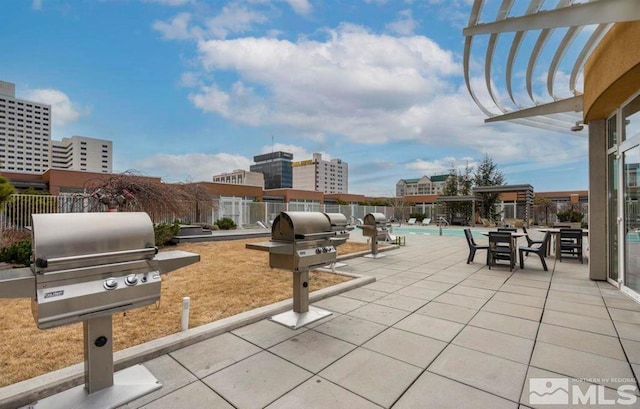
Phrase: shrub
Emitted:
{"points": [[570, 215], [418, 216], [165, 233], [226, 223], [17, 253]]}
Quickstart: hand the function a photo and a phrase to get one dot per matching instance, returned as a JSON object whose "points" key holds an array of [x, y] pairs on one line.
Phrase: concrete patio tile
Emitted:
{"points": [[575, 289], [519, 299], [399, 280], [213, 354], [444, 278], [523, 282], [425, 269], [413, 274], [519, 289], [312, 350], [621, 303], [266, 333], [318, 393], [536, 385], [351, 329], [513, 310], [495, 343], [581, 340], [419, 292], [632, 349], [448, 312], [435, 391], [486, 372], [431, 327], [256, 381], [195, 395], [433, 285], [574, 281], [581, 309], [631, 317], [504, 323], [339, 304], [627, 330], [575, 297], [461, 300], [364, 294], [406, 346], [401, 302], [535, 275], [383, 286], [581, 322], [372, 375], [472, 292], [379, 314], [487, 285], [170, 373], [578, 364]]}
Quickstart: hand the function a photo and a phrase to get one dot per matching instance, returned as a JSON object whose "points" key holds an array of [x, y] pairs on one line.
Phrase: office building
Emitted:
{"points": [[321, 175], [240, 177], [276, 168], [82, 153], [25, 133]]}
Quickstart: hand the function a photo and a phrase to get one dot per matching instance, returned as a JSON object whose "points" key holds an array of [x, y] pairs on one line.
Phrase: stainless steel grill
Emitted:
{"points": [[376, 227], [86, 267], [299, 242]]}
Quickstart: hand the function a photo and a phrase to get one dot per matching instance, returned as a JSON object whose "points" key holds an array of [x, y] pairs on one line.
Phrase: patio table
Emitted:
{"points": [[556, 238]]}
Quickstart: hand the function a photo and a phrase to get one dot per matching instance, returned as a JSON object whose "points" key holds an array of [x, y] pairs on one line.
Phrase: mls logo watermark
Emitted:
{"points": [[566, 391]]}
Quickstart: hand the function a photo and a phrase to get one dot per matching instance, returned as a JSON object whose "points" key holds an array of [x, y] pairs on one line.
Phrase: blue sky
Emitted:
{"points": [[186, 89]]}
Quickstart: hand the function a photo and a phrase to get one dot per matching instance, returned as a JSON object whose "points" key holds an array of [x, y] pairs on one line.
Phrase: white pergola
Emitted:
{"points": [[571, 25]]}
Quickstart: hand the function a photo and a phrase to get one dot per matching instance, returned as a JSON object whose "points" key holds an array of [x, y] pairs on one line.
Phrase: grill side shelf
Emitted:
{"points": [[17, 283]]}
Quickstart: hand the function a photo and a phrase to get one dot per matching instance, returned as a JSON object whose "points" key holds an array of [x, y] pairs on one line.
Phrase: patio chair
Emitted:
{"points": [[473, 246], [571, 244], [412, 221], [426, 221], [501, 247], [531, 242], [539, 248]]}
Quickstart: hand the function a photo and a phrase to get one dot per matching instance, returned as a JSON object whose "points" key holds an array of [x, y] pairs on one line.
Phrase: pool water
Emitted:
{"points": [[434, 231]]}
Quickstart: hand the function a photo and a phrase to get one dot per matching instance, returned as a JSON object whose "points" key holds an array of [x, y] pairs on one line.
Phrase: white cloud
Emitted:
{"points": [[36, 5], [302, 7], [178, 28], [234, 18], [196, 167], [439, 166], [63, 111], [404, 24], [299, 153]]}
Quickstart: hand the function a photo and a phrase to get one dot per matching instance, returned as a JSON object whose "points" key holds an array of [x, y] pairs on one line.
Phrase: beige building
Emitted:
{"points": [[25, 133], [241, 177], [425, 185], [320, 175], [82, 153]]}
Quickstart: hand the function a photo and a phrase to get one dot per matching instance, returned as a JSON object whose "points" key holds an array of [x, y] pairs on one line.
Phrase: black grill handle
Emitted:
{"points": [[42, 262]]}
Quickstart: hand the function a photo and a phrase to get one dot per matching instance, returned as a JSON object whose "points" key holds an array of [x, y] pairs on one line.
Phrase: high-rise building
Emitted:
{"points": [[276, 168], [241, 177], [321, 175], [82, 153], [25, 133]]}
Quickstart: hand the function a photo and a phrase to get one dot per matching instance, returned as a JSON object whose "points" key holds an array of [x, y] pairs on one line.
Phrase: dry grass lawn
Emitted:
{"points": [[228, 280]]}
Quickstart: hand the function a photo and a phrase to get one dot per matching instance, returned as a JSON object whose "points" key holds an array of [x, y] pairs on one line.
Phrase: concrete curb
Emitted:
{"points": [[31, 390]]}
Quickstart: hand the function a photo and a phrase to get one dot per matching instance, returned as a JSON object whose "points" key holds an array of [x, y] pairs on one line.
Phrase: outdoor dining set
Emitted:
{"points": [[502, 245]]}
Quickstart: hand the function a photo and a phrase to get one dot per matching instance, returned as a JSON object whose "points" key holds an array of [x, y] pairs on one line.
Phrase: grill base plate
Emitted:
{"points": [[128, 385], [295, 320], [378, 255]]}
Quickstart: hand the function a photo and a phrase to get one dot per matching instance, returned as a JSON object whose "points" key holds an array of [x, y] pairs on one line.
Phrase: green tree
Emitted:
{"points": [[6, 190], [487, 174]]}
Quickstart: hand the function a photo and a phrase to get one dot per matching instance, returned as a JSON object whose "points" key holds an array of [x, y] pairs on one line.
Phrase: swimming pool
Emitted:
{"points": [[434, 231]]}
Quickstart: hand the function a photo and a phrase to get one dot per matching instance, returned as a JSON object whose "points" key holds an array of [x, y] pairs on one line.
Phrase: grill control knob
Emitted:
{"points": [[110, 283], [324, 249], [318, 250], [131, 279]]}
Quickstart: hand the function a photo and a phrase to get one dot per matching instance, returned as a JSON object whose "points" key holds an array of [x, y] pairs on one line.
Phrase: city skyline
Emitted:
{"points": [[188, 89]]}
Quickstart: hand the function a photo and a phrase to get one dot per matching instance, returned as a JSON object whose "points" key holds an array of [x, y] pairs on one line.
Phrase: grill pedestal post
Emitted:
{"points": [[302, 314], [102, 388]]}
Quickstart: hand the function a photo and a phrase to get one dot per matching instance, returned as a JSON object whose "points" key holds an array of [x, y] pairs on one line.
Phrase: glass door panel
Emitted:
{"points": [[612, 210], [631, 165]]}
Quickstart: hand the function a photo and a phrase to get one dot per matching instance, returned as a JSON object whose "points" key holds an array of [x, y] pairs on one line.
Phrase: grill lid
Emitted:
{"points": [[338, 220], [373, 219], [72, 240], [291, 226]]}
